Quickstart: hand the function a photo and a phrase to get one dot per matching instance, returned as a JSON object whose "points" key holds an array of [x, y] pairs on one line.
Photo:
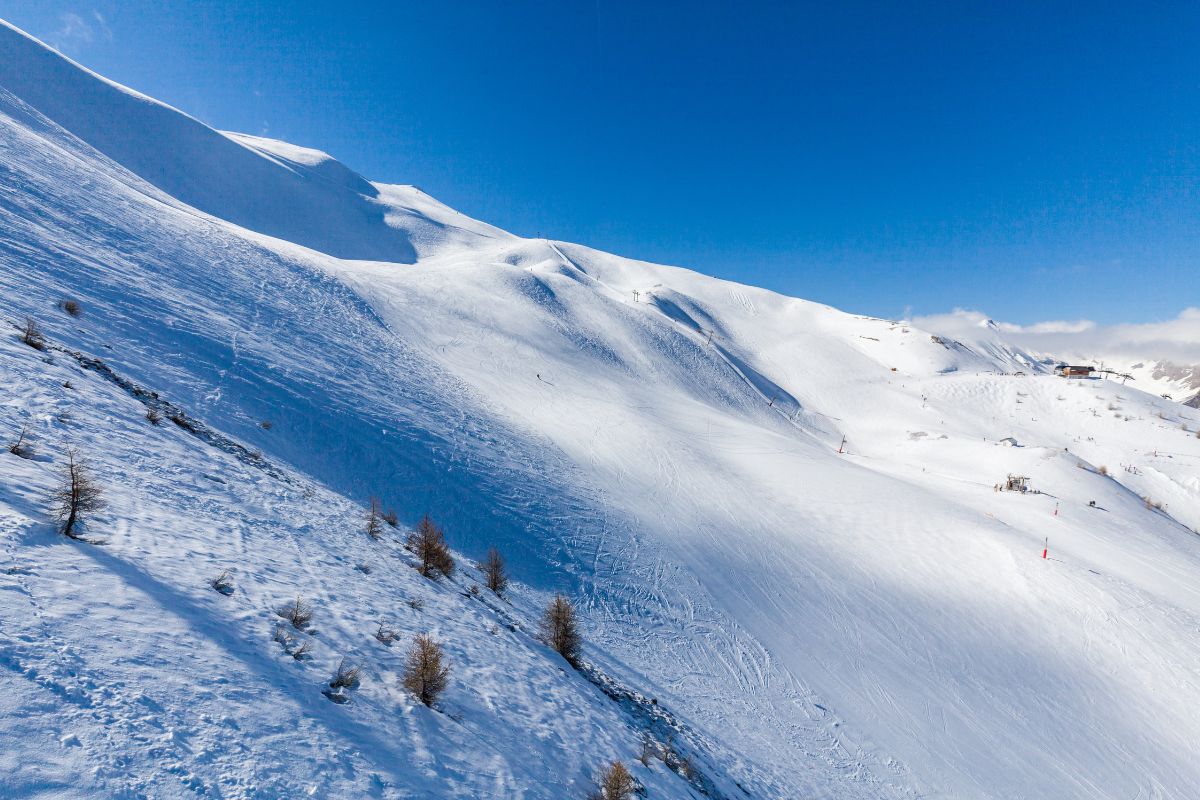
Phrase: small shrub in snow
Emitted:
{"points": [[374, 520], [426, 672], [283, 636], [71, 307], [390, 518], [346, 677], [265, 425], [416, 604], [473, 590], [1155, 505], [22, 446], [78, 494], [32, 335], [223, 583], [153, 416], [387, 634], [615, 783], [288, 642], [429, 544], [299, 612], [560, 629], [494, 572], [1103, 470]]}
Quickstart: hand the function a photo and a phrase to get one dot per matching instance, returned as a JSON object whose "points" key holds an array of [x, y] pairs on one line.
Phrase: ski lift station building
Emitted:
{"points": [[1071, 371]]}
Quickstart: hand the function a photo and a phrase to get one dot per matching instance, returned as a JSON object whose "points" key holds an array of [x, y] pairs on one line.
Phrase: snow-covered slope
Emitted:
{"points": [[778, 519]]}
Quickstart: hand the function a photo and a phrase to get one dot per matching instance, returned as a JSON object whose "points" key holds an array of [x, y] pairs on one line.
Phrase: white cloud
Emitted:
{"points": [[1050, 326], [75, 31]]}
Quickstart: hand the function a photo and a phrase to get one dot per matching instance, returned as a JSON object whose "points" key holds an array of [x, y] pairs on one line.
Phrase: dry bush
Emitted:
{"points": [[32, 335], [387, 634], [299, 612], [77, 495], [223, 583], [266, 425], [284, 637], [1103, 470], [346, 677], [153, 416], [416, 604], [615, 783], [560, 629], [374, 520], [429, 544], [71, 307], [494, 572], [390, 518], [426, 672], [22, 446]]}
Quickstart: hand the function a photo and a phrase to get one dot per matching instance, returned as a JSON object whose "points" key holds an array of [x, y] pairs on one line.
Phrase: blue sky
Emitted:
{"points": [[1036, 161]]}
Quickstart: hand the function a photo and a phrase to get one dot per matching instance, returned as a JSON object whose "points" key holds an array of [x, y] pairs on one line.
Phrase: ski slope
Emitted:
{"points": [[778, 519]]}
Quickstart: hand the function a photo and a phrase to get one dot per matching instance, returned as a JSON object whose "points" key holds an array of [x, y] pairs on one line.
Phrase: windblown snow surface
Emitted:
{"points": [[779, 520]]}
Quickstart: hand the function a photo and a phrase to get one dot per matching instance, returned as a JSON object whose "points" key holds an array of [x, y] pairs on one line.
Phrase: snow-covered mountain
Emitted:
{"points": [[779, 521]]}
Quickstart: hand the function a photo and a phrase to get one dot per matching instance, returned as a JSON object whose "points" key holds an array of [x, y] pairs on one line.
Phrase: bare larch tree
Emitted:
{"points": [[494, 572], [76, 496], [560, 629], [375, 520], [426, 672], [429, 544]]}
